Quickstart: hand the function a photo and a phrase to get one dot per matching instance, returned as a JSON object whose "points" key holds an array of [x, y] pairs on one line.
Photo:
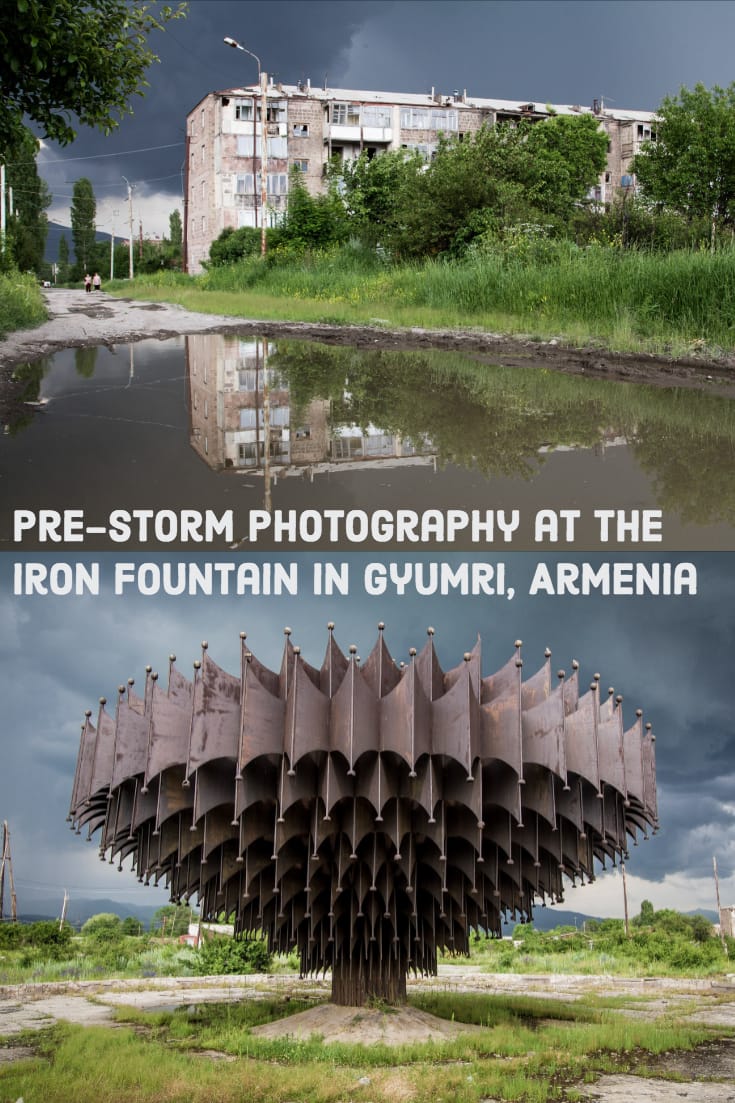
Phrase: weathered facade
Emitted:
{"points": [[368, 814], [308, 126]]}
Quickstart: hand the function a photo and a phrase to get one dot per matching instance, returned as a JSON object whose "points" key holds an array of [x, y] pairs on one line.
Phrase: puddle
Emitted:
{"points": [[220, 422]]}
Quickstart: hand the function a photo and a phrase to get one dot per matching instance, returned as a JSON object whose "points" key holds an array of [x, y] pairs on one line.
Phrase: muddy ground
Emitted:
{"points": [[706, 1075], [77, 319]]}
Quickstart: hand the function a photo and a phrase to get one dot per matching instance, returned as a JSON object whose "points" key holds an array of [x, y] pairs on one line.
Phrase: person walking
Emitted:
{"points": [[97, 282], [87, 282]]}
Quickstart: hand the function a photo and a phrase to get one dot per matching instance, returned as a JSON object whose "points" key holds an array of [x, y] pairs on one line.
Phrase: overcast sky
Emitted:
{"points": [[629, 54], [672, 657]]}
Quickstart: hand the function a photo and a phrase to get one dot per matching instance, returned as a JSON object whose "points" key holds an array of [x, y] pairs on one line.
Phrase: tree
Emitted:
{"points": [[173, 919], [499, 176], [59, 57], [103, 926], [372, 189], [690, 167], [312, 221], [63, 272], [83, 232], [27, 225], [175, 230]]}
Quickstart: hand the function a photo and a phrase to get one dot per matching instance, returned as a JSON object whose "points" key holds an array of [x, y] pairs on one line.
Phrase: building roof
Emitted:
{"points": [[460, 101]]}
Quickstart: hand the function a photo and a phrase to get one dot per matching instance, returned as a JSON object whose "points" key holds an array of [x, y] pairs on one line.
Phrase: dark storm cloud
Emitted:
{"points": [[670, 656], [562, 51]]}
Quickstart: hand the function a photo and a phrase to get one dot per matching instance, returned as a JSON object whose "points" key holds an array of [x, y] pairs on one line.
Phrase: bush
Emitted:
{"points": [[103, 927], [21, 302], [232, 955]]}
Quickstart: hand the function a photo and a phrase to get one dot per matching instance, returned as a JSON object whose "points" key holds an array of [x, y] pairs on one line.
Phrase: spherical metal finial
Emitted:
{"points": [[639, 712], [205, 645], [575, 664], [148, 668], [547, 653], [412, 652], [467, 656], [287, 631], [649, 725], [518, 643], [243, 635], [330, 625], [197, 664], [172, 658], [87, 712], [121, 689], [353, 649], [154, 676], [248, 656], [596, 677], [131, 681], [297, 650], [561, 674], [430, 631], [103, 701], [594, 686], [381, 625], [619, 699]]}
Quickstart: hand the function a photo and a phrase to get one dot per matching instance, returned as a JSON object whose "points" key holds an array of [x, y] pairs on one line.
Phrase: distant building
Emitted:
{"points": [[308, 126], [727, 921]]}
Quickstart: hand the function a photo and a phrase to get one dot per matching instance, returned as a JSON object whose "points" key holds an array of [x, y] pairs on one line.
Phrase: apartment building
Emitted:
{"points": [[306, 127]]}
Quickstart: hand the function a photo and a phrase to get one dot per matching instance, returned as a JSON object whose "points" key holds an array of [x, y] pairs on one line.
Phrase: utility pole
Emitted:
{"points": [[64, 906], [719, 907], [7, 861], [130, 227], [112, 247], [263, 159], [2, 225]]}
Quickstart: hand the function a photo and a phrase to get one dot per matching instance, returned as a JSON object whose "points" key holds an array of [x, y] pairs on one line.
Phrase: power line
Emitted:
{"points": [[99, 156]]}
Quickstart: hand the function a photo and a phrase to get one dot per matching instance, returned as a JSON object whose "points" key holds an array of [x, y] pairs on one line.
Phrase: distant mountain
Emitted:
{"points": [[79, 911], [55, 233]]}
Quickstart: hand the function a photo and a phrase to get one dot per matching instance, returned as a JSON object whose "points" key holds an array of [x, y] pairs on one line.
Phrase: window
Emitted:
{"points": [[345, 114], [375, 116], [203, 154], [302, 166], [275, 111], [278, 183], [245, 146], [425, 118], [244, 110], [300, 130], [277, 147], [244, 183], [427, 150], [644, 133], [204, 224]]}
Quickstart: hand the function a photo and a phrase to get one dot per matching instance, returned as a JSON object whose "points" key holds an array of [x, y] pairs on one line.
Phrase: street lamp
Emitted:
{"points": [[263, 82]]}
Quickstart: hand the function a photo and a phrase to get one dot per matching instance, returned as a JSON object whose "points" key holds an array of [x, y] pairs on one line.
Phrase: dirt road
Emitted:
{"points": [[78, 319]]}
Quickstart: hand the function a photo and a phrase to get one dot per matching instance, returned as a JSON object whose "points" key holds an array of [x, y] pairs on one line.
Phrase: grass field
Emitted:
{"points": [[676, 304], [524, 1049]]}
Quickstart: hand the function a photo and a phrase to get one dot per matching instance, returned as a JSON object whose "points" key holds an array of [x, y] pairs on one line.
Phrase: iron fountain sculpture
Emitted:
{"points": [[368, 814]]}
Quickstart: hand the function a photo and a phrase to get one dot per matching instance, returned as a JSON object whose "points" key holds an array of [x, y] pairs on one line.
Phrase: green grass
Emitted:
{"points": [[21, 302], [681, 302], [525, 1049]]}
